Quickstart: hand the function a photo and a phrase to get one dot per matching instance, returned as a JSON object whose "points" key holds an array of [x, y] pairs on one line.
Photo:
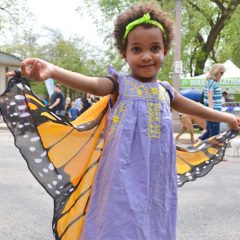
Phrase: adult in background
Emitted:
{"points": [[86, 102], [57, 101], [213, 97]]}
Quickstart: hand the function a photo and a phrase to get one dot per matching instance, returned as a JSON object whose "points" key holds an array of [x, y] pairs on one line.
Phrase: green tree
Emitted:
{"points": [[13, 15], [73, 54], [70, 54], [228, 46], [23, 45], [204, 30]]}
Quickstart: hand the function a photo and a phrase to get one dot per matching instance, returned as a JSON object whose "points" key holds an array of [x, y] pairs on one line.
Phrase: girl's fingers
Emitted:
{"points": [[34, 73], [10, 74], [26, 70], [27, 67], [238, 124], [38, 71], [238, 121], [31, 68]]}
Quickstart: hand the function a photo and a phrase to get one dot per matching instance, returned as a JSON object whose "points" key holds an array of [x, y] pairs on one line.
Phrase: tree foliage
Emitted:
{"points": [[73, 54], [13, 15], [204, 27], [209, 34]]}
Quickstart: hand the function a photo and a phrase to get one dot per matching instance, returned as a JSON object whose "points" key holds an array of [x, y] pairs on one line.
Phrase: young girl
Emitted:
{"points": [[134, 196]]}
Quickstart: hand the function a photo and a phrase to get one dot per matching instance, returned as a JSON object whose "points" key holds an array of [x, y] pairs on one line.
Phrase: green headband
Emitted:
{"points": [[145, 19]]}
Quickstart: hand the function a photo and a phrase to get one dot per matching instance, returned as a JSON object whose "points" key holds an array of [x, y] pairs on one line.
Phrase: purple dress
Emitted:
{"points": [[134, 196]]}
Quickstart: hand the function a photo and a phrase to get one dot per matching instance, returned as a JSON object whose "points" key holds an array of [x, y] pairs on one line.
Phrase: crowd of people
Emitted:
{"points": [[67, 107]]}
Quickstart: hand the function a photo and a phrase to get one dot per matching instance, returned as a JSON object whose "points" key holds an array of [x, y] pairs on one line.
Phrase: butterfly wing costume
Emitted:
{"points": [[63, 156]]}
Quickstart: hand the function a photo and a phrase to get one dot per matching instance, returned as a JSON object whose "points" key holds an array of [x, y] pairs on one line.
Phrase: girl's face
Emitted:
{"points": [[145, 52]]}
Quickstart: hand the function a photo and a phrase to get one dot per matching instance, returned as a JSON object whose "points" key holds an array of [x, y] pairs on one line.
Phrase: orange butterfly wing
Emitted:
{"points": [[196, 161], [62, 156]]}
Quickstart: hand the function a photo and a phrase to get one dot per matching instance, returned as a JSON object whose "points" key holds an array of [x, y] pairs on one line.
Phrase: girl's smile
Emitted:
{"points": [[145, 52]]}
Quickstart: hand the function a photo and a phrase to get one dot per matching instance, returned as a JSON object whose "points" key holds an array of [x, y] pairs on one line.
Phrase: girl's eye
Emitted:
{"points": [[155, 49], [136, 49]]}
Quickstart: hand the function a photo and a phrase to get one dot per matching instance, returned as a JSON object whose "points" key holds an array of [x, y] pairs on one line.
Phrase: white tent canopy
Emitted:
{"points": [[230, 81], [232, 71]]}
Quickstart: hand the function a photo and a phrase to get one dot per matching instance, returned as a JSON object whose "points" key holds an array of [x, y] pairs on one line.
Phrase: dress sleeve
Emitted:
{"points": [[114, 73], [115, 77], [169, 89]]}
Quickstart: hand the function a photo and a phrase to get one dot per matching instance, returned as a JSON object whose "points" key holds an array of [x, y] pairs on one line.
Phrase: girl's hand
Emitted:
{"points": [[10, 74], [234, 123], [37, 69]]}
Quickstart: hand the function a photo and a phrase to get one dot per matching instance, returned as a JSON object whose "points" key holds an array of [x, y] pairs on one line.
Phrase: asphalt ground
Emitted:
{"points": [[209, 208]]}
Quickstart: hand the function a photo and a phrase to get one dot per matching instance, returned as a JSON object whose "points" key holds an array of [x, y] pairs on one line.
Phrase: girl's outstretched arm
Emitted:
{"points": [[40, 70], [184, 105]]}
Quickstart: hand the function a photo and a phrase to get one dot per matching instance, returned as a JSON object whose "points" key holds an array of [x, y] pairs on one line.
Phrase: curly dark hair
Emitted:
{"points": [[137, 11]]}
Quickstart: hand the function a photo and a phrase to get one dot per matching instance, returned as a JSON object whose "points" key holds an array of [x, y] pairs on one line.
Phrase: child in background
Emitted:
{"points": [[45, 100], [73, 112], [134, 195]]}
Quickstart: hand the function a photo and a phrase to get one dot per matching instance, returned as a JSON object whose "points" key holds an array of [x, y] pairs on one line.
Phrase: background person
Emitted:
{"points": [[85, 102], [67, 106], [78, 105], [224, 98], [213, 98], [73, 113], [57, 101], [45, 100]]}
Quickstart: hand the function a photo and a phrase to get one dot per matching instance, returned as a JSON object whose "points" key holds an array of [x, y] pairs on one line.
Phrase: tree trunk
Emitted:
{"points": [[207, 47]]}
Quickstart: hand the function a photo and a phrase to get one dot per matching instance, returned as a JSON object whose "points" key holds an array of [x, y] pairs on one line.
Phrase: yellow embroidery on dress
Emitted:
{"points": [[134, 89], [118, 113], [154, 119], [154, 91], [137, 89], [115, 119], [163, 95], [139, 92]]}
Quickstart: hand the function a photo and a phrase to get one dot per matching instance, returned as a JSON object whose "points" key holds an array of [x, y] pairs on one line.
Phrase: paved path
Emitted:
{"points": [[25, 208]]}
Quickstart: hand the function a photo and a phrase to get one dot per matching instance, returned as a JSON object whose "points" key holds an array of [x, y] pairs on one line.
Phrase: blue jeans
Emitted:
{"points": [[213, 128]]}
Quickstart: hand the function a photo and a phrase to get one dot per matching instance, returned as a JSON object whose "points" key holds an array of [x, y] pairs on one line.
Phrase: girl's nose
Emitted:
{"points": [[146, 57]]}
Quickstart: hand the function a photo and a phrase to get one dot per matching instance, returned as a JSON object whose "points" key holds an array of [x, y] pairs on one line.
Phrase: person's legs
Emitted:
{"points": [[207, 133], [60, 113], [214, 128]]}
